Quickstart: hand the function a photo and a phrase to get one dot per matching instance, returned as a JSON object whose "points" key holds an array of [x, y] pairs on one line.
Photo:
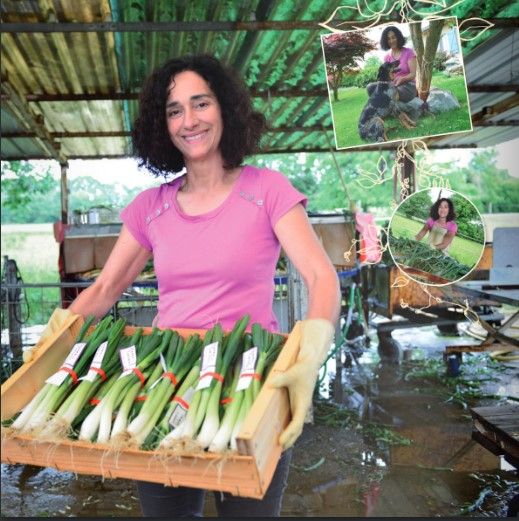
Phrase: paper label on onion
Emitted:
{"points": [[209, 356], [248, 366], [180, 410], [128, 358], [59, 377], [96, 363]]}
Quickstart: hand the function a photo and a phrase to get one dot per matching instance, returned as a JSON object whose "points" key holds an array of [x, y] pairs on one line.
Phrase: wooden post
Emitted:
{"points": [[297, 296], [405, 172], [14, 310], [64, 193]]}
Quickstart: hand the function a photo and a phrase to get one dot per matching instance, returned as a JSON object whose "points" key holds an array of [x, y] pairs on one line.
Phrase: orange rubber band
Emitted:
{"points": [[94, 401], [229, 399], [256, 376], [137, 371], [172, 377], [141, 398], [216, 376], [181, 402], [100, 372], [71, 372]]}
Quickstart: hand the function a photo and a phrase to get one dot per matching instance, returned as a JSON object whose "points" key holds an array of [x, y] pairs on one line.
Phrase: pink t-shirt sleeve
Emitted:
{"points": [[429, 223], [280, 195], [452, 227], [134, 216]]}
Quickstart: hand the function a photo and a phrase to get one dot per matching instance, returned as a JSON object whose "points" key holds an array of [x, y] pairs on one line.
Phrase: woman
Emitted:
{"points": [[393, 40], [440, 225], [215, 234]]}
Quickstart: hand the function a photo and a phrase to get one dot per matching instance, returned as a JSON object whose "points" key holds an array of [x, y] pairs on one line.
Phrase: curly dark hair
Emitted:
{"points": [[400, 38], [242, 126], [434, 209]]}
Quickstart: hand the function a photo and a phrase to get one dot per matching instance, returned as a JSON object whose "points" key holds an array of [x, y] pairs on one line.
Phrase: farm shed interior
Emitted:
{"points": [[71, 73]]}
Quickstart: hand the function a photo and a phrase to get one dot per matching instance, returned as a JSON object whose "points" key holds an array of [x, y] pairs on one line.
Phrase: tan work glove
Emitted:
{"points": [[57, 321], [300, 378]]}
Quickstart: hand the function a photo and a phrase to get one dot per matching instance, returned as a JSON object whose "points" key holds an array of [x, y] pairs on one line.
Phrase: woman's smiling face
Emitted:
{"points": [[193, 117], [443, 209], [392, 40]]}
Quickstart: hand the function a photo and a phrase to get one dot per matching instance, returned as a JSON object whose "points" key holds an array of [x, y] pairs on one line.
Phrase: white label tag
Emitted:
{"points": [[163, 362], [208, 365], [128, 358], [59, 377], [96, 363], [74, 354], [248, 365], [180, 410]]}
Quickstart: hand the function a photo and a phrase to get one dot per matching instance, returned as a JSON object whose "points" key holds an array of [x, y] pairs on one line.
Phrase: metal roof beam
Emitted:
{"points": [[296, 92], [308, 150], [24, 113], [492, 87], [265, 25], [283, 129], [125, 133], [494, 110]]}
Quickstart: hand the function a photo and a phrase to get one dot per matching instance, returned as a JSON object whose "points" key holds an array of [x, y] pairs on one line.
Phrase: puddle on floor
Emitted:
{"points": [[351, 470]]}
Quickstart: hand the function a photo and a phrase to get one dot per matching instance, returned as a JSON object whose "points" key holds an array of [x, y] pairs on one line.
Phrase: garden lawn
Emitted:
{"points": [[346, 113], [35, 251], [463, 250]]}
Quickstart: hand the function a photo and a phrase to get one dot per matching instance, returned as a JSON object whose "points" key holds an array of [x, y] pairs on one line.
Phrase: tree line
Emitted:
{"points": [[29, 196]]}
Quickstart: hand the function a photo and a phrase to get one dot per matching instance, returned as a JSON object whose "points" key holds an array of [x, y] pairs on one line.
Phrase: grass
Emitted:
{"points": [[346, 113], [464, 390], [463, 250], [35, 251], [333, 415]]}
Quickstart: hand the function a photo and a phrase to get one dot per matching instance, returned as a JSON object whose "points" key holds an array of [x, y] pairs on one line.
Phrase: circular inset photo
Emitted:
{"points": [[436, 236]]}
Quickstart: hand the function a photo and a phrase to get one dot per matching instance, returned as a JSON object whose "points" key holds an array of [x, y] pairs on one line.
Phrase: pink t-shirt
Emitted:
{"points": [[217, 266], [406, 55], [451, 226]]}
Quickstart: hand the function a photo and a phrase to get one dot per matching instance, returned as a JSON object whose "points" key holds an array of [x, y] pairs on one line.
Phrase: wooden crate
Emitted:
{"points": [[247, 473]]}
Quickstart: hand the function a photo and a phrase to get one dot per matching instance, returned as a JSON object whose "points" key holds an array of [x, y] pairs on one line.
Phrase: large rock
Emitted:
{"points": [[439, 100]]}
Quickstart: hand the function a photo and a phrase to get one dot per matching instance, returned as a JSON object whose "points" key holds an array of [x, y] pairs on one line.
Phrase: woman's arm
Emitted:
{"points": [[298, 240], [421, 234], [447, 239], [125, 262], [300, 243], [408, 77]]}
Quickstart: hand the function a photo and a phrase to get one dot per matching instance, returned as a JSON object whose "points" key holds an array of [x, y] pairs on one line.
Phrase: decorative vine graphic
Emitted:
{"points": [[427, 175], [470, 28]]}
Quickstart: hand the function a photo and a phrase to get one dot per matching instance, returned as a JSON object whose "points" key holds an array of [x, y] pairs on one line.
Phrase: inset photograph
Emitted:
{"points": [[396, 82], [436, 236]]}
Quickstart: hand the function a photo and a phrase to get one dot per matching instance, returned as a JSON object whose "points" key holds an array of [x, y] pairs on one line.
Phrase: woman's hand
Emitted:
{"points": [[447, 239], [300, 243], [421, 234], [300, 378]]}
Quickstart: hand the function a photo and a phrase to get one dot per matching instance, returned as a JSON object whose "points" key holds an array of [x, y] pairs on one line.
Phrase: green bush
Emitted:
{"points": [[369, 73]]}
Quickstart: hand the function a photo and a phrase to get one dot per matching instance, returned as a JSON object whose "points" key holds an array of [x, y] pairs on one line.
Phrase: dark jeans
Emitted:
{"points": [[160, 501]]}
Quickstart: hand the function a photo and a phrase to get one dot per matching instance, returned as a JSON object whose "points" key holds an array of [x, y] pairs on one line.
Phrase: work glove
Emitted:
{"points": [[60, 319], [300, 378]]}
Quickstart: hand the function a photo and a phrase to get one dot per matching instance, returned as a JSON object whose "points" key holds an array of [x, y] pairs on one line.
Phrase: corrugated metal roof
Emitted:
{"points": [[69, 90]]}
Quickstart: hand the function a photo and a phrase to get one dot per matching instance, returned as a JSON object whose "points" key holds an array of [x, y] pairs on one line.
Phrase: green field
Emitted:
{"points": [[35, 251], [346, 113], [463, 250]]}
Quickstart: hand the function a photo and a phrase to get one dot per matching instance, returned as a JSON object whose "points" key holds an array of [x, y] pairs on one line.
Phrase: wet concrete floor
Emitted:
{"points": [[423, 464]]}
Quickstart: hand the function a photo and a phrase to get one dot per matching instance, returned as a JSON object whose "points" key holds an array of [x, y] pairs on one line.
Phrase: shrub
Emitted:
{"points": [[369, 72], [439, 61]]}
